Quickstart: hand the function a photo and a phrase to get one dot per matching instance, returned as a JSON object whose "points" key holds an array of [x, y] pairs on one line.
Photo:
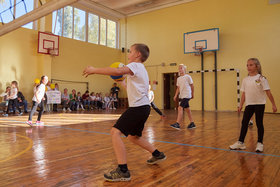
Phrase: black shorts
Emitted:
{"points": [[132, 121], [184, 102]]}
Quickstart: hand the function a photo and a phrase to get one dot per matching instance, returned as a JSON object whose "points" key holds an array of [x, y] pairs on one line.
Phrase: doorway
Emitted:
{"points": [[170, 80]]}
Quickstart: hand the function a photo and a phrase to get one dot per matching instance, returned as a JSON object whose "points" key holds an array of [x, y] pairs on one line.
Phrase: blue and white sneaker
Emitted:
{"points": [[191, 126], [175, 126]]}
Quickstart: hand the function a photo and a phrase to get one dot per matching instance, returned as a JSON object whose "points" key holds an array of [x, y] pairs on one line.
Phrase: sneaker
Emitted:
{"points": [[250, 123], [115, 108], [175, 126], [39, 123], [69, 109], [64, 110], [20, 114], [5, 115], [259, 148], [156, 159], [238, 145], [29, 123], [191, 126], [117, 175]]}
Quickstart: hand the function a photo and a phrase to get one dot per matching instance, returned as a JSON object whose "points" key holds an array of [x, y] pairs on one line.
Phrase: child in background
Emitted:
{"points": [[13, 101], [5, 99], [73, 98], [22, 101], [92, 99], [38, 101], [86, 101], [98, 101], [115, 101], [107, 101], [255, 87], [151, 98], [185, 90], [65, 100], [79, 101], [132, 121]]}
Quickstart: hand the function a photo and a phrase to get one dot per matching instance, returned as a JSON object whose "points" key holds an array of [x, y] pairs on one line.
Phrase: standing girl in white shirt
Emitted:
{"points": [[37, 101], [255, 88]]}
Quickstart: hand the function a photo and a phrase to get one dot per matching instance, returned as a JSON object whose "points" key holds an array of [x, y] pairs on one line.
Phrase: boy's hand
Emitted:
{"points": [[88, 71], [274, 109], [174, 98]]}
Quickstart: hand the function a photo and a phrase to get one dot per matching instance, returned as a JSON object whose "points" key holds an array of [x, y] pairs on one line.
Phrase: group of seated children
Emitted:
{"points": [[75, 101]]}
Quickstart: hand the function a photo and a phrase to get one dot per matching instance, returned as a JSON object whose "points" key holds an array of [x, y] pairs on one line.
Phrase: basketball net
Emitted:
{"points": [[198, 50], [52, 52]]}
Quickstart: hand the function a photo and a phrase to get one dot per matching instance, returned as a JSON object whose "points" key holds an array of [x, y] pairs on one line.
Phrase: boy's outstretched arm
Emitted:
{"points": [[106, 71]]}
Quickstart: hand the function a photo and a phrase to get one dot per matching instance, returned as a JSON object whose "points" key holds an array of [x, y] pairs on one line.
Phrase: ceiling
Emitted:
{"points": [[123, 8]]}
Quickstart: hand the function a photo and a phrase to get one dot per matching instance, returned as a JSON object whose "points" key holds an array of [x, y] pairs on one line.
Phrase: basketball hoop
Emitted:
{"points": [[198, 50], [52, 51]]}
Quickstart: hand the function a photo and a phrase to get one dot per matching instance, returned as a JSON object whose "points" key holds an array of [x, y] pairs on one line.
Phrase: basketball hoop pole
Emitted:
{"points": [[202, 81], [216, 80]]}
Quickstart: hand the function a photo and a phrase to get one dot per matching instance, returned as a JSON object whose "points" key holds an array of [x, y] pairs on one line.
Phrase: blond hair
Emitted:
{"points": [[184, 67], [258, 64]]}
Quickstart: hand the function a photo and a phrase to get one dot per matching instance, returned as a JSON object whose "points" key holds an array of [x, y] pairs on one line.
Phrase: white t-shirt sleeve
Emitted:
{"points": [[265, 84], [133, 68], [242, 89], [190, 81]]}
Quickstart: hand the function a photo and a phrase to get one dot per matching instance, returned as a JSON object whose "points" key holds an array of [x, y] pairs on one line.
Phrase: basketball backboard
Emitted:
{"points": [[48, 43], [208, 40]]}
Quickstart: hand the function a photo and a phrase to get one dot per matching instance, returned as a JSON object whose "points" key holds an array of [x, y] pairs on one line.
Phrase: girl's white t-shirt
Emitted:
{"points": [[184, 83], [254, 88], [14, 92], [41, 92], [137, 85]]}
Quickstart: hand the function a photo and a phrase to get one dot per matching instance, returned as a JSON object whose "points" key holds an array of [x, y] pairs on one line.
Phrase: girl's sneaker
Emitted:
{"points": [[238, 145], [259, 148], [29, 123], [5, 115], [39, 123]]}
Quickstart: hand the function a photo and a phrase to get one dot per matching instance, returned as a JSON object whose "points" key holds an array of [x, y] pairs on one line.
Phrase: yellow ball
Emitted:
{"points": [[37, 81], [52, 86], [117, 65]]}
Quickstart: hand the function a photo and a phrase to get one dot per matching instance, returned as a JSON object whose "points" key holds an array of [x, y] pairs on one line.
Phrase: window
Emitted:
{"points": [[79, 24], [93, 28], [68, 22], [16, 8], [23, 8], [112, 35], [6, 16], [103, 29], [74, 23], [57, 22]]}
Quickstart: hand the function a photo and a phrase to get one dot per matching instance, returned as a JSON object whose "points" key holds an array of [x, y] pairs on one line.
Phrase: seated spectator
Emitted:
{"points": [[73, 98], [107, 101], [65, 100], [99, 101], [79, 101], [86, 101], [92, 99], [115, 101], [22, 101], [5, 99]]}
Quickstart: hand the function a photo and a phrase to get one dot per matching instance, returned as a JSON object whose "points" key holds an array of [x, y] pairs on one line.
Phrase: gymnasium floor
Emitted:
{"points": [[75, 150]]}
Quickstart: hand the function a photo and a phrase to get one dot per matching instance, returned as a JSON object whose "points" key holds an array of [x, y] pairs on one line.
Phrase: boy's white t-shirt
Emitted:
{"points": [[184, 83], [92, 97], [151, 95], [14, 92], [254, 88], [137, 85], [41, 92]]}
